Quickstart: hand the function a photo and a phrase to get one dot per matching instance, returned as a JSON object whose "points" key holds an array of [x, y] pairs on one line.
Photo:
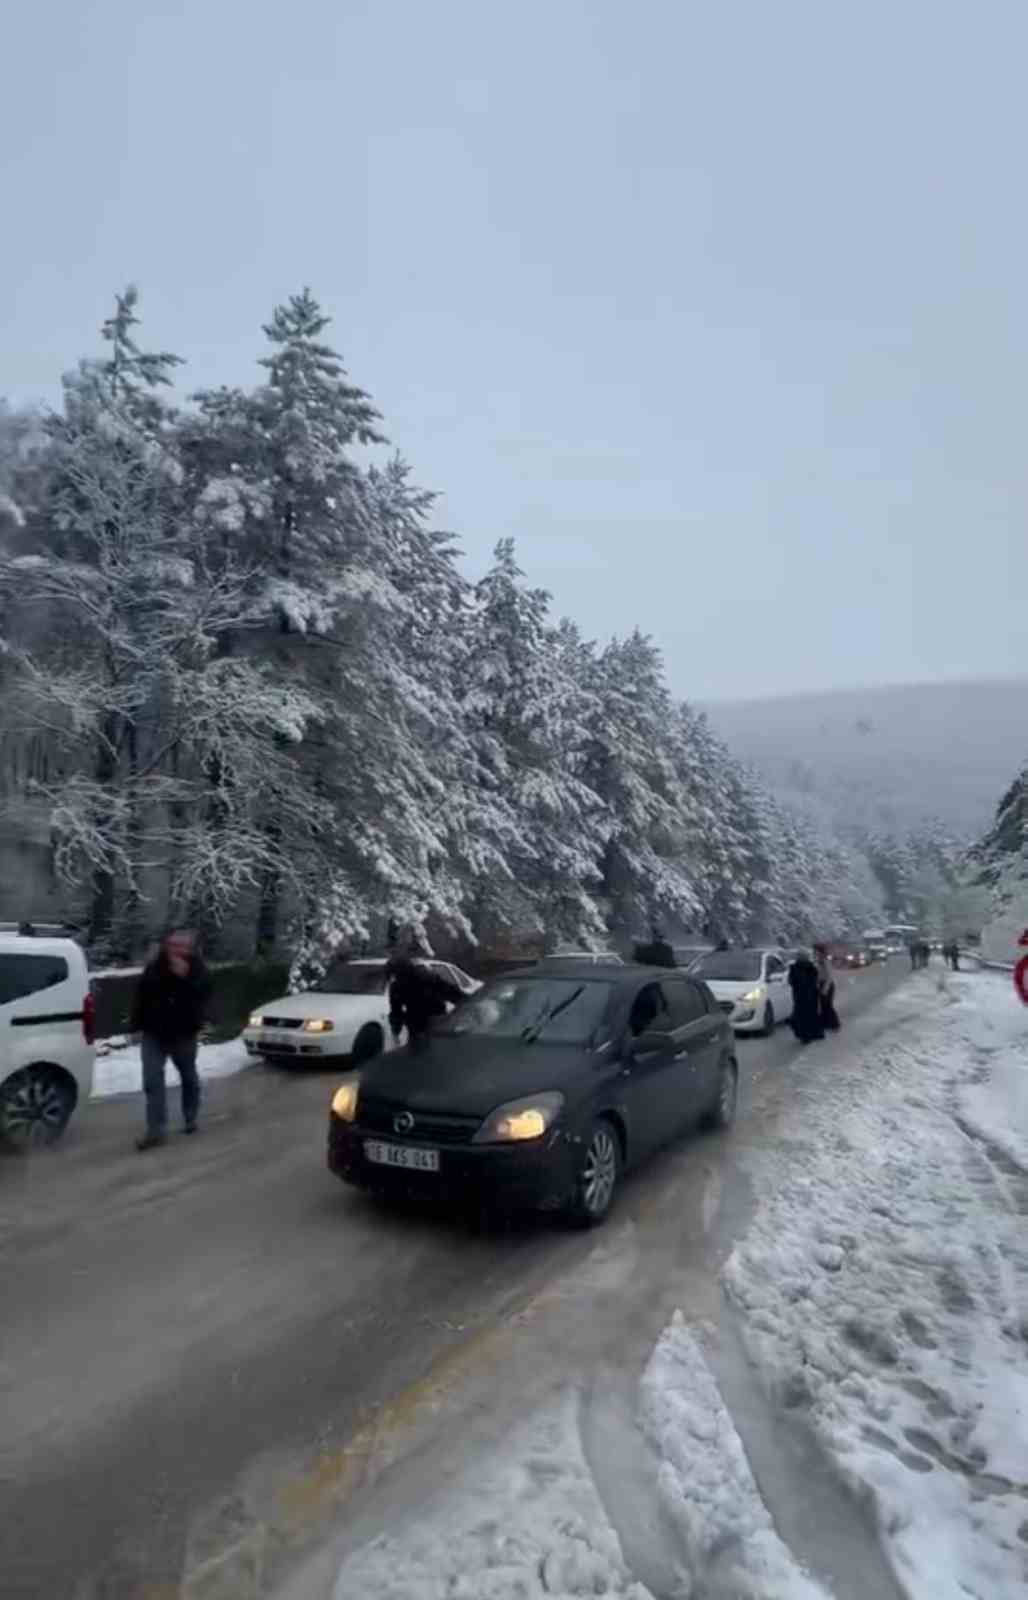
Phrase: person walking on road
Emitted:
{"points": [[168, 1012], [806, 1021], [417, 997], [658, 953], [826, 990]]}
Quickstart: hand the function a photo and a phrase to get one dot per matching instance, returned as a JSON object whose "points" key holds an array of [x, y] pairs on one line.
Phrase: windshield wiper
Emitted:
{"points": [[531, 1033]]}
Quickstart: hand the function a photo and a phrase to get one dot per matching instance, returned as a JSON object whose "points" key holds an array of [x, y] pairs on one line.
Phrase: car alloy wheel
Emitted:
{"points": [[598, 1178], [727, 1096], [34, 1108]]}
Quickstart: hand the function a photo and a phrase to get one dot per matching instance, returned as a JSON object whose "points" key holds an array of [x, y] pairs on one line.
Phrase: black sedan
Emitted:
{"points": [[540, 1091]]}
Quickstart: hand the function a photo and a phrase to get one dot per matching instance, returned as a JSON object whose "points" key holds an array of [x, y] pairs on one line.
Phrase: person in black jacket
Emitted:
{"points": [[658, 953], [806, 1020], [417, 997], [168, 1013]]}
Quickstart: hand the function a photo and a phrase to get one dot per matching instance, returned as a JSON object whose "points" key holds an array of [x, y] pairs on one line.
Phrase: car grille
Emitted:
{"points": [[282, 1022], [727, 1006], [430, 1127]]}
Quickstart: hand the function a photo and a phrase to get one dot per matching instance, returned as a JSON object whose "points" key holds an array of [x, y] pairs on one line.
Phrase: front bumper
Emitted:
{"points": [[538, 1175], [296, 1046]]}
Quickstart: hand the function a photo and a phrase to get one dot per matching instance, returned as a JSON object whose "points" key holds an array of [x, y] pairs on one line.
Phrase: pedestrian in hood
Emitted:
{"points": [[806, 1021], [417, 996], [168, 1012]]}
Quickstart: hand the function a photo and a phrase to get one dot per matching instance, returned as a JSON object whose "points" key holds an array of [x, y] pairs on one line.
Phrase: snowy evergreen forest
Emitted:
{"points": [[245, 683]]}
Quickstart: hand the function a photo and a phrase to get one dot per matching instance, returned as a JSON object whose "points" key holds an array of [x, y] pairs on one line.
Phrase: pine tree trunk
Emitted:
{"points": [[130, 938], [101, 882], [268, 904]]}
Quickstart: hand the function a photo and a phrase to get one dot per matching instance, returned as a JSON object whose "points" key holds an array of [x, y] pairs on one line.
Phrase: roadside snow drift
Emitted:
{"points": [[527, 1525], [119, 1070], [884, 1285], [730, 1550]]}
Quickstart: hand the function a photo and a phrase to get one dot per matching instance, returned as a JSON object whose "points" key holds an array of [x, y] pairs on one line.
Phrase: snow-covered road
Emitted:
{"points": [[881, 1291], [231, 1373]]}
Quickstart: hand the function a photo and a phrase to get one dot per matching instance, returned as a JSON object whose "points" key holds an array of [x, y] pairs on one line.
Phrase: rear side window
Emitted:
{"points": [[686, 1001], [22, 975]]}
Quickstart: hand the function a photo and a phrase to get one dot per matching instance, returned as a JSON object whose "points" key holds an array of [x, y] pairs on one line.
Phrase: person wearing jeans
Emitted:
{"points": [[170, 1005]]}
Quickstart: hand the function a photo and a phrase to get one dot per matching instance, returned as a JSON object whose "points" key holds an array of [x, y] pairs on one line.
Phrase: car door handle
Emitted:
{"points": [[680, 1055]]}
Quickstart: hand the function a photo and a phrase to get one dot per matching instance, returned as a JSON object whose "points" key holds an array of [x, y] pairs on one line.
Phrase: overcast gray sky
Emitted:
{"points": [[717, 306]]}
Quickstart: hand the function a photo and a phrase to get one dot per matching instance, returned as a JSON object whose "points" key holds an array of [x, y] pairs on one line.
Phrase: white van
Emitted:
{"points": [[46, 1034]]}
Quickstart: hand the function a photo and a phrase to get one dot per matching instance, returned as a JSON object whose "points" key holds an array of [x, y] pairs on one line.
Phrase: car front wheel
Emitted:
{"points": [[598, 1175], [722, 1113], [769, 1021]]}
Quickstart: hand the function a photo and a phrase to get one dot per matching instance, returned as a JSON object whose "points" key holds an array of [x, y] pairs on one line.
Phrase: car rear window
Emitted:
{"points": [[22, 975]]}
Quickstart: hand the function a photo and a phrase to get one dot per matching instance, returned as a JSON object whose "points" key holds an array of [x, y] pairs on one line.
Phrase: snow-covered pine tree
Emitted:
{"points": [[525, 693], [646, 873]]}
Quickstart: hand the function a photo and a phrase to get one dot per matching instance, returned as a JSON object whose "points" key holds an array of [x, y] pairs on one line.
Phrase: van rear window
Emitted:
{"points": [[22, 975]]}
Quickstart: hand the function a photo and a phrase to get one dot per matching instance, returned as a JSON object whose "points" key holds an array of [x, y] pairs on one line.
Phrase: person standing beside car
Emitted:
{"points": [[168, 1012], [417, 997], [826, 989]]}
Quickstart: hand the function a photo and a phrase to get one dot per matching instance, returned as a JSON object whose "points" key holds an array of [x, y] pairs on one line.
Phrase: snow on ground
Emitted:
{"points": [[882, 1292], [730, 1547], [883, 1286], [526, 1524], [119, 1070]]}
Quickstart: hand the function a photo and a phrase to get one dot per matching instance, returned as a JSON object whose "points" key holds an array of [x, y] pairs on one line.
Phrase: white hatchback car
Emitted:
{"points": [[347, 1014], [750, 986], [46, 1035]]}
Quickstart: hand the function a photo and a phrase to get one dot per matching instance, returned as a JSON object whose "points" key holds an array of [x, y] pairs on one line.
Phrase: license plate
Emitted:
{"points": [[401, 1155]]}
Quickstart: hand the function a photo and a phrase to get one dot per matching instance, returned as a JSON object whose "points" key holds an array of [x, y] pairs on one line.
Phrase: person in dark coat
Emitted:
{"points": [[658, 953], [826, 990], [168, 1012], [806, 1021], [417, 997]]}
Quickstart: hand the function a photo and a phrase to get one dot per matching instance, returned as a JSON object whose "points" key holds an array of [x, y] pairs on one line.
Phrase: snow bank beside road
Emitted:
{"points": [[528, 1523], [120, 1070], [729, 1544], [524, 1525], [884, 1286]]}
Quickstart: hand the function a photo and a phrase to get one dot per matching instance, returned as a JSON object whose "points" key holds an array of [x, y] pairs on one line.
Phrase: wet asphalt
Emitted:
{"points": [[205, 1351]]}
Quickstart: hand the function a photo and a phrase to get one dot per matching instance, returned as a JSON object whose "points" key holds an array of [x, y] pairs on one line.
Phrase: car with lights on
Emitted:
{"points": [[345, 1016], [540, 1091], [751, 986]]}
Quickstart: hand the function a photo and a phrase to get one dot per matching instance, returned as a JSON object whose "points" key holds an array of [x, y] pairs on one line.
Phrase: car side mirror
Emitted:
{"points": [[645, 1044]]}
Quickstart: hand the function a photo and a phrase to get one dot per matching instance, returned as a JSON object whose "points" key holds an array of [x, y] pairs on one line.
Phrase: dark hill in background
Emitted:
{"points": [[887, 759]]}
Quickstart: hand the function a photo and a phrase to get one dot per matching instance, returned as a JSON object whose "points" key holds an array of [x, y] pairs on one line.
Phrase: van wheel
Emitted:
{"points": [[598, 1176], [368, 1044], [35, 1107]]}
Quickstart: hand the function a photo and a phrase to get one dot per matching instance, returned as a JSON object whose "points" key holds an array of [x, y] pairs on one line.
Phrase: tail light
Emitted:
{"points": [[89, 1018]]}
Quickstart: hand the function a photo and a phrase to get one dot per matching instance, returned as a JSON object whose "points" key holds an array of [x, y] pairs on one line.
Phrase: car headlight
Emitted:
{"points": [[753, 996], [256, 1019], [318, 1025], [344, 1102], [520, 1119]]}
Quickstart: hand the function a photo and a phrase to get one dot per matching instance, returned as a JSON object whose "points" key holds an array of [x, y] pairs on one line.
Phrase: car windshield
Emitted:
{"points": [[557, 1010], [731, 965], [348, 977]]}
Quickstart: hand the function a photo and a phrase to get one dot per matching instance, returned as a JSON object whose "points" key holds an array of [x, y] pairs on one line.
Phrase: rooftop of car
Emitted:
{"points": [[586, 971]]}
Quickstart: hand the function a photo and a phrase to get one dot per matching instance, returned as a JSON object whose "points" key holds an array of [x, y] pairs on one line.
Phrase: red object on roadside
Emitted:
{"points": [[1024, 937], [1021, 979], [89, 1018]]}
